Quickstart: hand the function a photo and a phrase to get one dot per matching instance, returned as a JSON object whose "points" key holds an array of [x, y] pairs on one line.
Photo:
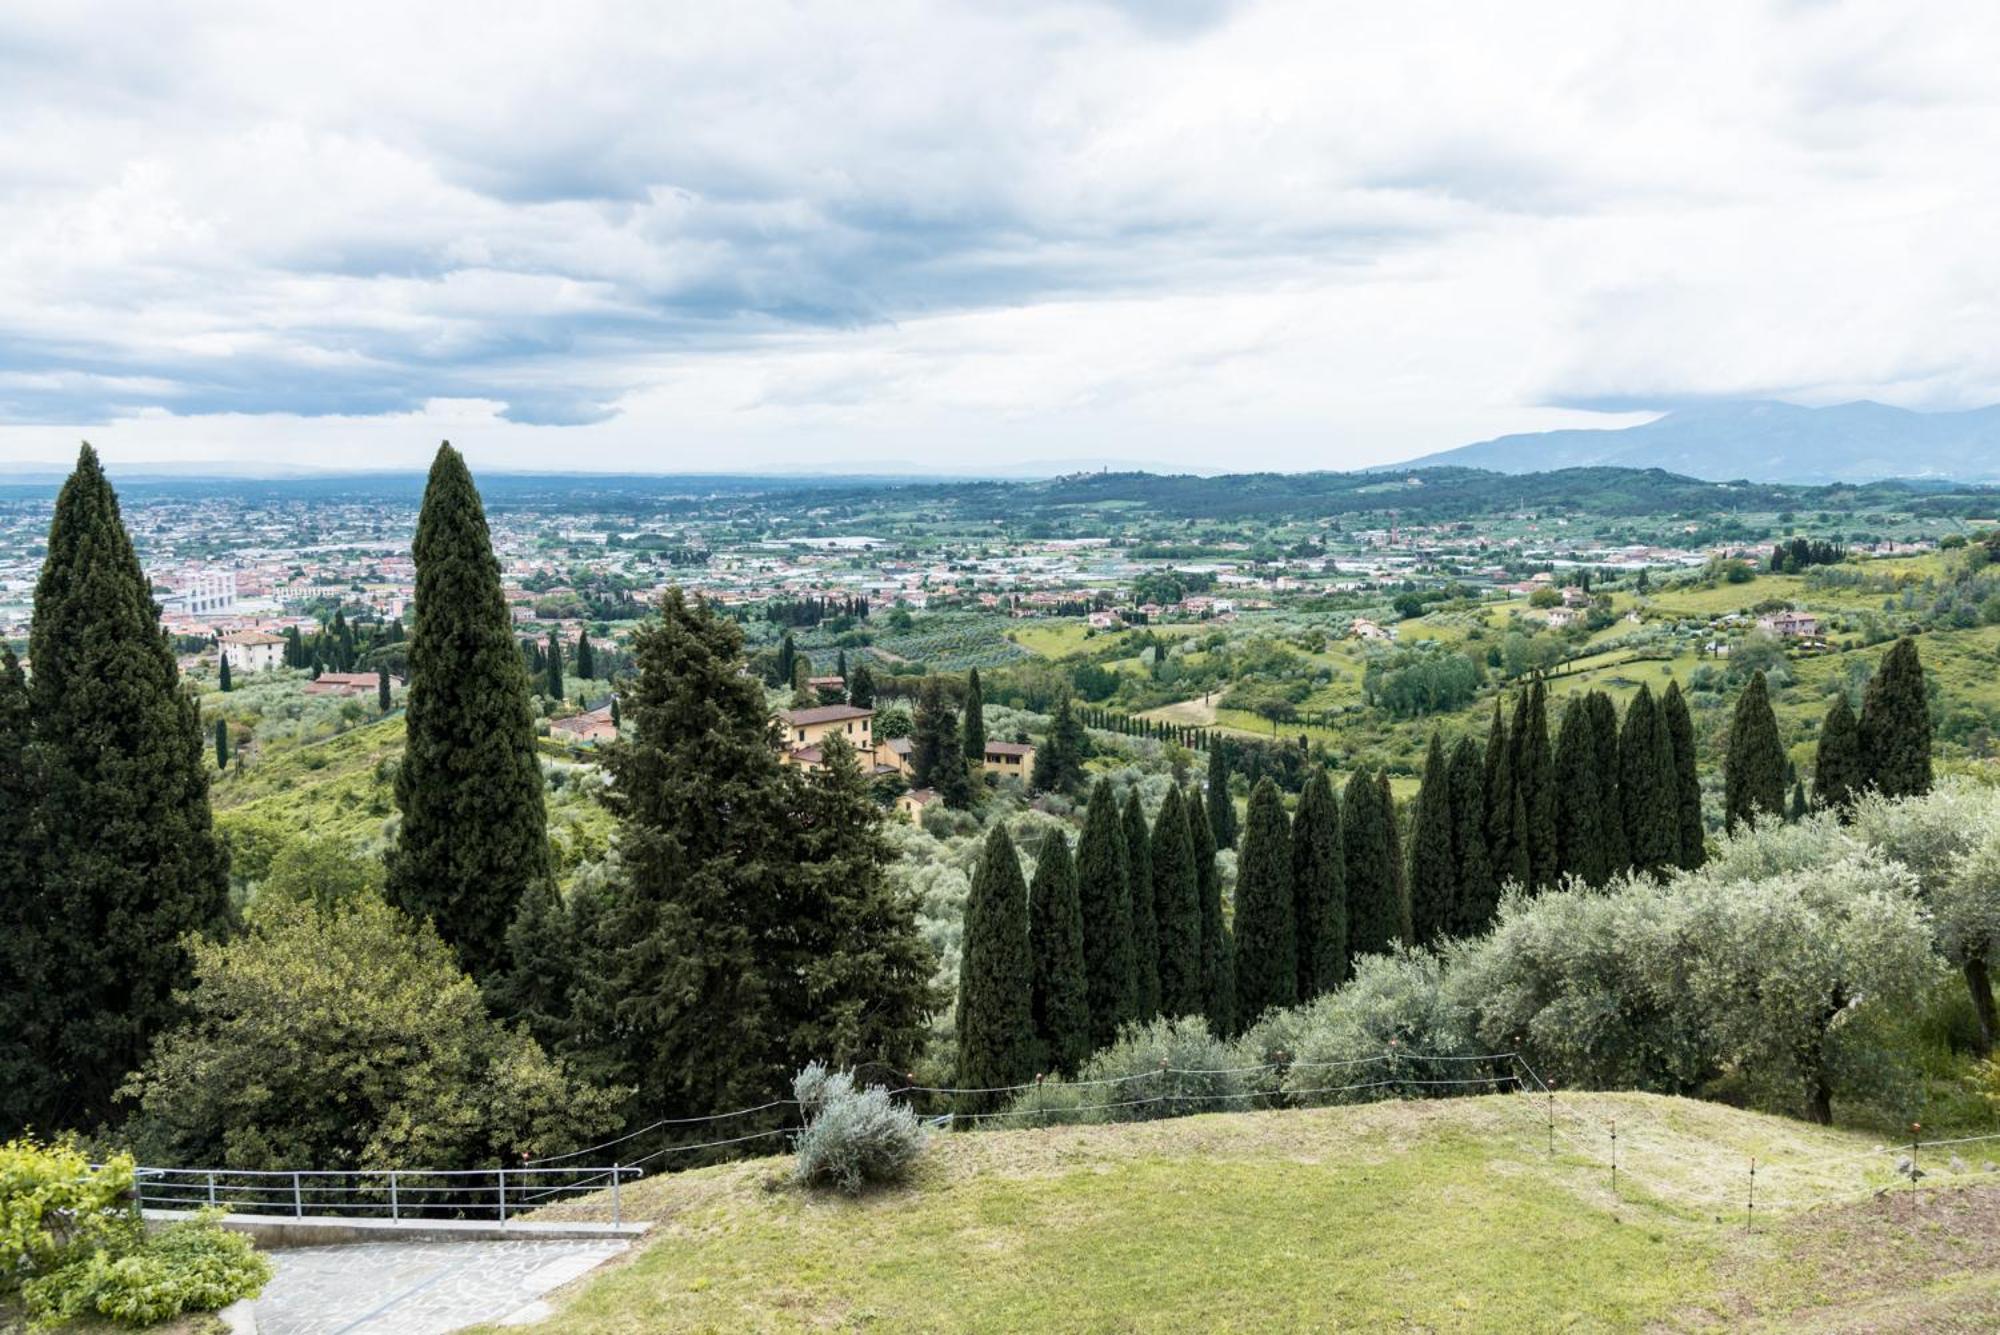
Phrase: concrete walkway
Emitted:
{"points": [[418, 1288]]}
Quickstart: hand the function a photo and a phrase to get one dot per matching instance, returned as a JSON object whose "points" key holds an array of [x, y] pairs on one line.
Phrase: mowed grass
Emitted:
{"points": [[1447, 1214]]}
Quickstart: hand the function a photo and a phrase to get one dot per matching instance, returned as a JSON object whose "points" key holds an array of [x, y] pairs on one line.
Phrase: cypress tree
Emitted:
{"points": [[1145, 926], [382, 698], [1319, 888], [542, 950], [1580, 838], [222, 674], [996, 1026], [1399, 885], [474, 836], [586, 657], [1651, 843], [1799, 806], [788, 655], [1176, 909], [1753, 774], [1218, 958], [1611, 805], [1373, 915], [1221, 807], [1686, 782], [1478, 892], [1507, 817], [29, 949], [1896, 724], [861, 687], [1058, 764], [1534, 775], [1267, 945], [1111, 985], [1838, 772], [937, 758], [1061, 1003], [552, 682], [975, 720], [222, 744], [129, 863], [1433, 871]]}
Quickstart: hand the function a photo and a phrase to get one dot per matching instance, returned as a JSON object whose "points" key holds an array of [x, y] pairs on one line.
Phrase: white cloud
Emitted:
{"points": [[1207, 235]]}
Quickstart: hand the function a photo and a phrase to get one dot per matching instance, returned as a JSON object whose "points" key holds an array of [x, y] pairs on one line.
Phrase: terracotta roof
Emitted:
{"points": [[800, 718], [252, 637], [1008, 748]]}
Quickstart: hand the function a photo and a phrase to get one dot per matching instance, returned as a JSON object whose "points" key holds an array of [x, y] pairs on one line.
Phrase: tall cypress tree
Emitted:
{"points": [[1319, 888], [861, 687], [474, 836], [937, 757], [1753, 774], [1579, 836], [1433, 871], [1060, 998], [1534, 774], [1686, 781], [1392, 835], [1145, 926], [586, 657], [1896, 724], [1059, 759], [1176, 909], [222, 674], [1478, 892], [1611, 805], [1267, 947], [1221, 807], [29, 949], [1111, 983], [996, 1024], [1651, 842], [552, 660], [129, 863], [1506, 850], [1373, 915], [222, 744], [1218, 959], [975, 720], [1839, 773]]}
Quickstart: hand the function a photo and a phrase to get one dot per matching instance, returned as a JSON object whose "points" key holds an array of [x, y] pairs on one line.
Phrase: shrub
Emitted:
{"points": [[852, 1139], [55, 1209], [1376, 1031], [192, 1266], [1167, 1068]]}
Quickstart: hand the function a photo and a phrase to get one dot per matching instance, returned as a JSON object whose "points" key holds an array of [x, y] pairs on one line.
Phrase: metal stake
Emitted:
{"points": [[298, 1203], [503, 1195], [1614, 1156], [395, 1213], [1750, 1219], [615, 1173]]}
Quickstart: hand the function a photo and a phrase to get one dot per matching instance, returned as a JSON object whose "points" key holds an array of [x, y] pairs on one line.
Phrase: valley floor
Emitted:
{"points": [[1447, 1215]]}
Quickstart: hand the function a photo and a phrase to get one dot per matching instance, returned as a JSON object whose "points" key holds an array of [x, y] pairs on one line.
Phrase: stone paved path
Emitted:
{"points": [[415, 1288]]}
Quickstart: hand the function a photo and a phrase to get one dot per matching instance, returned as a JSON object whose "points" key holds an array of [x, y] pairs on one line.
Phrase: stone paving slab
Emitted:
{"points": [[416, 1288]]}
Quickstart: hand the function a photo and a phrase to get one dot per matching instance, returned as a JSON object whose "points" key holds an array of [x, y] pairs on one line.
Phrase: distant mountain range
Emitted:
{"points": [[1761, 442]]}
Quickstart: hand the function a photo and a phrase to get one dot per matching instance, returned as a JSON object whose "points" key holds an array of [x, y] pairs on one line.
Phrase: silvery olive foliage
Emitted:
{"points": [[853, 1138]]}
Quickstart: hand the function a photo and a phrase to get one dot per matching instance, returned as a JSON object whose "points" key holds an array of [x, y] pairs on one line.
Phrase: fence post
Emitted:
{"points": [[615, 1175], [395, 1212], [298, 1201], [211, 1190], [1041, 1103], [1552, 1123], [1916, 1142], [1750, 1218], [1160, 1093], [503, 1194], [1614, 1156]]}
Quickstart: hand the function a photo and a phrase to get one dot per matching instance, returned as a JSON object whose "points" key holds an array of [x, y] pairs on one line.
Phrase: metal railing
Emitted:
{"points": [[396, 1194]]}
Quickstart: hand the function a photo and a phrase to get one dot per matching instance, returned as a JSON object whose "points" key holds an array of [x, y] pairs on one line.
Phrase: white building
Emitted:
{"points": [[253, 651], [204, 592]]}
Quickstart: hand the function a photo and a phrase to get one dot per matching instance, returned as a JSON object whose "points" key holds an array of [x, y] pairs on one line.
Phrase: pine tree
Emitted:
{"points": [[1061, 1002], [861, 687], [975, 720], [1218, 957], [1399, 885], [1267, 956], [1145, 927], [1534, 775], [222, 674], [1478, 892], [474, 835], [552, 681], [1433, 871], [535, 987], [1221, 806], [1319, 888], [1176, 909], [1753, 773], [1579, 836], [1058, 764], [1103, 887], [1838, 772], [129, 862], [996, 1026], [586, 657], [1611, 805], [1896, 724], [1686, 781]]}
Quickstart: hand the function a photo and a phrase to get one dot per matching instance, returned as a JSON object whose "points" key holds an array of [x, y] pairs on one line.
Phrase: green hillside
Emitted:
{"points": [[1427, 1215]]}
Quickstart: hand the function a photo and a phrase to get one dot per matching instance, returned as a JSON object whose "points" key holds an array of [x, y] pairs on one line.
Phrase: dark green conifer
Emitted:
{"points": [[1319, 888], [1534, 776], [1896, 724], [1579, 836], [222, 744], [1218, 959], [1221, 806], [586, 657], [1058, 764], [996, 1028], [1478, 892], [1433, 878], [1686, 781], [534, 989], [552, 659], [474, 835], [1611, 806], [1176, 909], [1373, 915], [1753, 774], [1061, 1003], [129, 862], [382, 697], [937, 757], [861, 687], [1799, 806], [1145, 927], [1503, 842], [1103, 887], [1267, 945], [975, 720], [1652, 843], [1838, 773], [28, 952], [222, 675], [1392, 832]]}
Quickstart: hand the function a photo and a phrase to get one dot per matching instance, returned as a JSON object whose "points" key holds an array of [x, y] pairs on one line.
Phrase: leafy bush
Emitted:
{"points": [[1166, 1068], [55, 1209], [191, 1266], [852, 1139], [1375, 1031]]}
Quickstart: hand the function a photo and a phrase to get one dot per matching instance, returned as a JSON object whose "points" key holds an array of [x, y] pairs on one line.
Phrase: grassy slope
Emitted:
{"points": [[1446, 1214]]}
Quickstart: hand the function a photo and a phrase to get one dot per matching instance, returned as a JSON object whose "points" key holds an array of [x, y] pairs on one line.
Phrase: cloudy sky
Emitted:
{"points": [[989, 235]]}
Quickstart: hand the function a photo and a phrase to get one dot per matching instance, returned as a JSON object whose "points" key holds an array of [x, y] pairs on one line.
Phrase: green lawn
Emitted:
{"points": [[1436, 1215]]}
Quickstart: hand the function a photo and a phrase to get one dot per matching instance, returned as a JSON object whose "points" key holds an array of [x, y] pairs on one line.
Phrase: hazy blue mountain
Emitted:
{"points": [[1762, 442]]}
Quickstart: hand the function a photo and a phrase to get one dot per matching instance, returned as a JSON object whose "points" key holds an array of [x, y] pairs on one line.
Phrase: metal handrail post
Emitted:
{"points": [[394, 1214]]}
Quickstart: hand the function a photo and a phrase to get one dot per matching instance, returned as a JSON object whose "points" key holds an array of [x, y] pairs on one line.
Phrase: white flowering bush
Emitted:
{"points": [[852, 1138]]}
